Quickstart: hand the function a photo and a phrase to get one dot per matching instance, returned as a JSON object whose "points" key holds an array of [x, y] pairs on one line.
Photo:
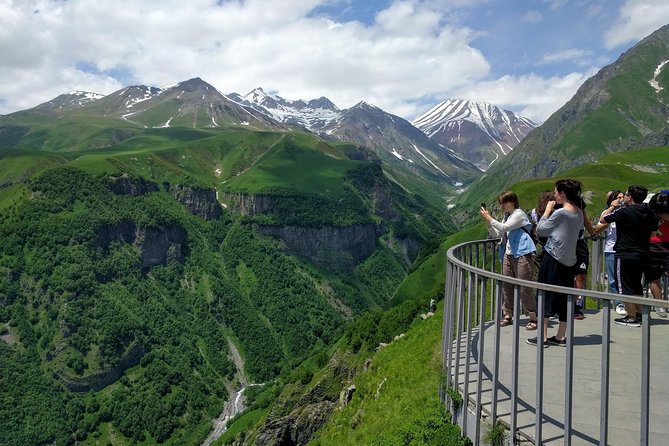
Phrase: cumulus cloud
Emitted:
{"points": [[637, 19], [579, 56], [52, 46], [532, 17], [531, 96]]}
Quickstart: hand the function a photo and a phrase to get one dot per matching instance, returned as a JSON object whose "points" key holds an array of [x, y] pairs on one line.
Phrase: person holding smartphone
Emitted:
{"points": [[519, 250], [561, 227]]}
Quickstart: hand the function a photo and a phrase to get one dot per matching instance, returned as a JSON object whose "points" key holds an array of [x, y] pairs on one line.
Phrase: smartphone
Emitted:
{"points": [[483, 205]]}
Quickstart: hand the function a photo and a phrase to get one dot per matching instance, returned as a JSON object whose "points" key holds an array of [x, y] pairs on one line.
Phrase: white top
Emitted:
{"points": [[516, 219], [611, 236]]}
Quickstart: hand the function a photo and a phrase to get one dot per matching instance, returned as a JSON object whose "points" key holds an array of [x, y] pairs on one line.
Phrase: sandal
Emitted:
{"points": [[531, 325], [506, 321]]}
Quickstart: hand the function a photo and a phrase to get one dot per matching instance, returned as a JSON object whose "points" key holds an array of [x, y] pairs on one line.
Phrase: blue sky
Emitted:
{"points": [[529, 56]]}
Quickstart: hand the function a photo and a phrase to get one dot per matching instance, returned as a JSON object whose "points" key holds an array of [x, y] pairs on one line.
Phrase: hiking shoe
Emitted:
{"points": [[620, 309], [533, 341], [661, 312], [629, 321], [554, 341]]}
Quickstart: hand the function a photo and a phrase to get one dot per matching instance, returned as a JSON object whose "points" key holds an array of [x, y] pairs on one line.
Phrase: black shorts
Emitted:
{"points": [[656, 265], [582, 256], [555, 273], [628, 275]]}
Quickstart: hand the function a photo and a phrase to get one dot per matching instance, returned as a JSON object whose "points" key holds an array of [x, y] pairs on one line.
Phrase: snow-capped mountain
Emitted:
{"points": [[71, 100], [399, 143], [192, 103], [392, 138], [312, 115], [477, 131]]}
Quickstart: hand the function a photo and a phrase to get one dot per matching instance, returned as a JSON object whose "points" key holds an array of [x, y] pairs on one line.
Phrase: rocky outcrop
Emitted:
{"points": [[124, 185], [158, 246], [299, 428], [99, 380], [198, 201], [245, 204], [162, 246], [331, 247], [296, 416]]}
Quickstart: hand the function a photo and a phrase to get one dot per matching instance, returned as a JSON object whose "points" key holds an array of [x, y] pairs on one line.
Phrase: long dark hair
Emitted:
{"points": [[544, 197], [570, 188]]}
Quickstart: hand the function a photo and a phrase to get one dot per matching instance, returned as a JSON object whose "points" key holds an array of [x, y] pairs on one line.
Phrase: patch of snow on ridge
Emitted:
{"points": [[428, 160], [653, 82], [397, 155]]}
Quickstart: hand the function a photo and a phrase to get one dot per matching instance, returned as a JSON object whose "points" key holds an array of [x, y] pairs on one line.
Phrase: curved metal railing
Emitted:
{"points": [[472, 307]]}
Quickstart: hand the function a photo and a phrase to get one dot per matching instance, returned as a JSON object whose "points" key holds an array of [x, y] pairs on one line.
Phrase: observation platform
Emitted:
{"points": [[624, 377]]}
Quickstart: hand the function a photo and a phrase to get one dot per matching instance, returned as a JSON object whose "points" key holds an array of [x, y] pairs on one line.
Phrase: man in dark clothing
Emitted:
{"points": [[634, 222]]}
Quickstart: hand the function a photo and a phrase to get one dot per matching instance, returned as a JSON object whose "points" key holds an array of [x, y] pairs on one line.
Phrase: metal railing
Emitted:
{"points": [[472, 309]]}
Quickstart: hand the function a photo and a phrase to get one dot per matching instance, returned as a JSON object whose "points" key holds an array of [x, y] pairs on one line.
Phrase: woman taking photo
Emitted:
{"points": [[561, 226], [517, 260]]}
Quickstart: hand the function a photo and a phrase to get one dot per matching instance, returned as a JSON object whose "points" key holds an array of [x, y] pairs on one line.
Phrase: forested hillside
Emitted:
{"points": [[122, 297]]}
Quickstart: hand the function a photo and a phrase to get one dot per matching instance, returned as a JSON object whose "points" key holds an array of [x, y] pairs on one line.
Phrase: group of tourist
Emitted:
{"points": [[551, 239]]}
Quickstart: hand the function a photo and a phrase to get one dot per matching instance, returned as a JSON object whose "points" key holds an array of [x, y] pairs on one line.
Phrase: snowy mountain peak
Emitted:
{"points": [[478, 131], [312, 115], [72, 99], [256, 95], [365, 105]]}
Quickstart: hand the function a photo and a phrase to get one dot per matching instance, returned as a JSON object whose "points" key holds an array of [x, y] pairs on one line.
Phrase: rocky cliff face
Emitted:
{"points": [[158, 246], [124, 185], [245, 204], [200, 202], [162, 246], [333, 248]]}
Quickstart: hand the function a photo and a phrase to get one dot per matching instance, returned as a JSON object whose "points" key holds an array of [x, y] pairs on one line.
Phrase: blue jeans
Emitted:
{"points": [[609, 258]]}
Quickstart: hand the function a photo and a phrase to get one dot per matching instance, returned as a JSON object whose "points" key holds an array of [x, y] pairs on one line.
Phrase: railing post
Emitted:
{"points": [[645, 374], [458, 333], [539, 411], [479, 367], [497, 316], [447, 333], [569, 370], [514, 362], [604, 392], [468, 348]]}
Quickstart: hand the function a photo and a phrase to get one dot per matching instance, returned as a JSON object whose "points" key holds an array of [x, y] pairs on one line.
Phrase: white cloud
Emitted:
{"points": [[532, 17], [556, 4], [637, 19], [529, 95], [579, 56], [406, 53]]}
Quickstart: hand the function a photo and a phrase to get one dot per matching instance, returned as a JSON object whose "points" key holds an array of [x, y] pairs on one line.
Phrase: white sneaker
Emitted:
{"points": [[661, 312], [620, 309]]}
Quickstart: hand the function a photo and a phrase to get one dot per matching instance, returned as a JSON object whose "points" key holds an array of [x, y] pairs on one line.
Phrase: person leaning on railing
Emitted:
{"points": [[518, 258]]}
